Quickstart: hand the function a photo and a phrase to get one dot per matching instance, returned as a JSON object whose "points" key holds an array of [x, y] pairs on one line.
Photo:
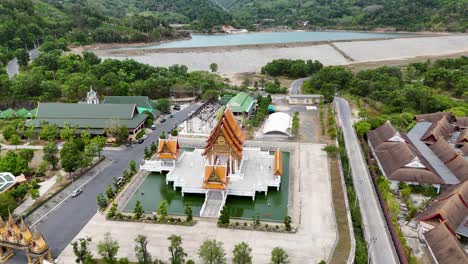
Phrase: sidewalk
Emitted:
{"points": [[45, 186], [60, 197]]}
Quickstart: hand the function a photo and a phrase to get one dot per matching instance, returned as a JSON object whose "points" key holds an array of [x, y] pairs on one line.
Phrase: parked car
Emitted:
{"points": [[141, 140], [176, 107], [153, 127], [120, 180], [171, 116], [162, 120], [76, 192], [144, 137]]}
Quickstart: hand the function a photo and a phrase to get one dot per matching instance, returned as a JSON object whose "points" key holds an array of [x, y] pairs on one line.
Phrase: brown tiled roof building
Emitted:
{"points": [[462, 122], [398, 158], [451, 158], [434, 117], [441, 128]]}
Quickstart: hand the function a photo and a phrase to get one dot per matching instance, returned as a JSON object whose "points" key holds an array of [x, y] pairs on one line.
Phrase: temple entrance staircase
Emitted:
{"points": [[214, 202]]}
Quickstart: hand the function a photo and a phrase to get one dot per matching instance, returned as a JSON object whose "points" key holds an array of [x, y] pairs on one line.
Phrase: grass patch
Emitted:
{"points": [[342, 250]]}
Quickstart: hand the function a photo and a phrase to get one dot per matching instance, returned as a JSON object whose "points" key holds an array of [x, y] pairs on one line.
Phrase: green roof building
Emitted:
{"points": [[143, 103], [242, 105], [93, 117], [7, 114]]}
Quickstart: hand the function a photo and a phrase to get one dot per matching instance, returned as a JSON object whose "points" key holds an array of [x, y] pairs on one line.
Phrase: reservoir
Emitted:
{"points": [[198, 40]]}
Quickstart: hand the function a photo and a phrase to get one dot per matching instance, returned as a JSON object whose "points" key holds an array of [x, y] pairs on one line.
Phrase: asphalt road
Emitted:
{"points": [[296, 86], [380, 245], [13, 67], [64, 223]]}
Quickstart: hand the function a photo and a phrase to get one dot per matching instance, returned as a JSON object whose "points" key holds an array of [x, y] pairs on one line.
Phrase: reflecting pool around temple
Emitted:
{"points": [[273, 207]]}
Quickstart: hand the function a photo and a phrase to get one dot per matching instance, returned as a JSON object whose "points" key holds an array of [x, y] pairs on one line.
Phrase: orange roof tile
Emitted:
{"points": [[278, 163], [215, 177], [230, 129], [168, 148]]}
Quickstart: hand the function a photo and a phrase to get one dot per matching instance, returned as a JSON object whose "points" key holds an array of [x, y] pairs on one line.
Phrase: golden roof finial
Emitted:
{"points": [[11, 221], [36, 234], [23, 226]]}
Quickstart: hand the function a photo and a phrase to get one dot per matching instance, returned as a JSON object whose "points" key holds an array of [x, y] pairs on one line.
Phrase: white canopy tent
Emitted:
{"points": [[278, 123]]}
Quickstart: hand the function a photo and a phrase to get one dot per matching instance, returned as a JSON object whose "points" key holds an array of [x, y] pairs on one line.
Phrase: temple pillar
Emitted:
{"points": [[49, 256], [30, 260]]}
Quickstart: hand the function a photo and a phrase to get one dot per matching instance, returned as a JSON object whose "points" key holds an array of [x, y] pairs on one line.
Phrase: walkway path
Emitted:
{"points": [[313, 242], [380, 245]]}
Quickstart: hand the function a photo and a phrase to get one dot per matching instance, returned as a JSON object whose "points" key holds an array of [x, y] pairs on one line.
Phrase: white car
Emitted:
{"points": [[76, 192], [144, 137]]}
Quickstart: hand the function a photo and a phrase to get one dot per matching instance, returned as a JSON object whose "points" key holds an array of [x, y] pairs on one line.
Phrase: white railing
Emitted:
{"points": [[224, 194], [202, 210], [250, 193]]}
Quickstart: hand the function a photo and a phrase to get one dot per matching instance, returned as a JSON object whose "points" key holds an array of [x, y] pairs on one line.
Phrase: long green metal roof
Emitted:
{"points": [[92, 116], [23, 112], [86, 111], [240, 103], [140, 101]]}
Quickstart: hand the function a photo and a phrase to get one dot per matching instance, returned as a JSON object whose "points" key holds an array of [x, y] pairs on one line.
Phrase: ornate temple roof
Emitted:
{"points": [[215, 177], [278, 163], [168, 148], [229, 128]]}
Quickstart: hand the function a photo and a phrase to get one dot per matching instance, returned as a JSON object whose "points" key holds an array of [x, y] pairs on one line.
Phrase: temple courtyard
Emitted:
{"points": [[309, 203]]}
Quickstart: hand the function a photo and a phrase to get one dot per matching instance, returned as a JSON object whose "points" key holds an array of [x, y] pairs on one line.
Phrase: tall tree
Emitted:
{"points": [[214, 67], [108, 249], [177, 252], [23, 57], [141, 252], [70, 157], [242, 254], [212, 252], [50, 154], [82, 252]]}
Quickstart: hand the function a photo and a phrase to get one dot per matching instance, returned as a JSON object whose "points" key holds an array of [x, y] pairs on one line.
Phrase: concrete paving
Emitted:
{"points": [[380, 245], [313, 207]]}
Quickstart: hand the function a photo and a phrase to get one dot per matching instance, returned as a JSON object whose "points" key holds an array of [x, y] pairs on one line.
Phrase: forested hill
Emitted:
{"points": [[26, 23], [408, 15]]}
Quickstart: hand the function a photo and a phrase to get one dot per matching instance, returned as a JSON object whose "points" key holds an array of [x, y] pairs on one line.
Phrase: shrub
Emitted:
{"points": [[43, 166]]}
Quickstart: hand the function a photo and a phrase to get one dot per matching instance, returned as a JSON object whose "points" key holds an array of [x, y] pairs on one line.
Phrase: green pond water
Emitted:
{"points": [[273, 207]]}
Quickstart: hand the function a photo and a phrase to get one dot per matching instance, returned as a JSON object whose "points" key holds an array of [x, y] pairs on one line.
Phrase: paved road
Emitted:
{"points": [[13, 67], [296, 86], [380, 245], [66, 221]]}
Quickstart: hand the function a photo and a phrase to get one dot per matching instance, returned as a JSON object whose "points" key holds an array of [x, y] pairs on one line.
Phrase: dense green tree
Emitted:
{"points": [[82, 252], [242, 254], [163, 105], [26, 154], [23, 57], [102, 201], [279, 256], [162, 210], [138, 210], [214, 67], [212, 252], [223, 219], [50, 154], [362, 127], [188, 213], [108, 249], [13, 163], [7, 204], [70, 157]]}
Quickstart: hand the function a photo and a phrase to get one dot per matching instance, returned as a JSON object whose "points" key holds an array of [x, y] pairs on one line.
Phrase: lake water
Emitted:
{"points": [[267, 38]]}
